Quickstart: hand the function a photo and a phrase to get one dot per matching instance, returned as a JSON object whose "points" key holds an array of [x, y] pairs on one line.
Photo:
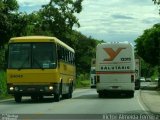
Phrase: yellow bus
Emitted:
{"points": [[40, 66]]}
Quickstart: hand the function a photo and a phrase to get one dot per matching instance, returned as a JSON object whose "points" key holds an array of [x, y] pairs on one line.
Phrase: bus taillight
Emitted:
{"points": [[132, 78]]}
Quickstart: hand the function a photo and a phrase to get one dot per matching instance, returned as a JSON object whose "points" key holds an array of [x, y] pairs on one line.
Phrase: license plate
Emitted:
{"points": [[115, 87], [31, 89]]}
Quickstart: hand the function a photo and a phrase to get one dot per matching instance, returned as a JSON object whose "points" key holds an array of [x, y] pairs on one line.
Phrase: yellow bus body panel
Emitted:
{"points": [[67, 72], [32, 76]]}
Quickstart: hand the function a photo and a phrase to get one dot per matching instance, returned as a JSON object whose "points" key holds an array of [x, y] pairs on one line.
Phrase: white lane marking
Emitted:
{"points": [[6, 100]]}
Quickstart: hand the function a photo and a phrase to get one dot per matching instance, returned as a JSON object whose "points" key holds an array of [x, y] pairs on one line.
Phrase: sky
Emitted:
{"points": [[109, 20]]}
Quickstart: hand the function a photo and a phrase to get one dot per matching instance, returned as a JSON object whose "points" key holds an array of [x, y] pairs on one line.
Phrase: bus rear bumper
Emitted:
{"points": [[115, 87]]}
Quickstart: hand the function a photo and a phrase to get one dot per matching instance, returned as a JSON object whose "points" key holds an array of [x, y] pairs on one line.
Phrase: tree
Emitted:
{"points": [[20, 24], [148, 45], [7, 10], [157, 2], [85, 50], [58, 17]]}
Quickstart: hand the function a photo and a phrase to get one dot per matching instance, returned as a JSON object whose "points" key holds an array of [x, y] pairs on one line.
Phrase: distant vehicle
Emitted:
{"points": [[40, 66], [148, 79], [156, 79], [115, 68], [93, 73], [137, 73], [142, 79], [93, 77]]}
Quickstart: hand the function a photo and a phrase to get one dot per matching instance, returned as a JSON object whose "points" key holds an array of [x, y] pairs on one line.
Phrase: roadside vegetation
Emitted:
{"points": [[3, 86], [83, 81], [148, 48]]}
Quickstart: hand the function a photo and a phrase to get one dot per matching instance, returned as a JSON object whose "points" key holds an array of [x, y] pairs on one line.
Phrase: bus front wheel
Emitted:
{"points": [[56, 97], [18, 98], [34, 97]]}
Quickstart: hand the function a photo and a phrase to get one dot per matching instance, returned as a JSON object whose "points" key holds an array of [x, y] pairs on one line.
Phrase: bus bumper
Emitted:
{"points": [[115, 87], [28, 90]]}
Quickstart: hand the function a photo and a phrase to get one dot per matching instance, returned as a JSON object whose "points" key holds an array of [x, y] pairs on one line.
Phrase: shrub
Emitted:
{"points": [[3, 85]]}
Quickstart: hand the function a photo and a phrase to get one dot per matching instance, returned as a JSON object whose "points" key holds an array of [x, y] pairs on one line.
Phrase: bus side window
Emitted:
{"points": [[66, 55], [62, 49], [73, 58], [59, 52], [72, 54], [70, 58]]}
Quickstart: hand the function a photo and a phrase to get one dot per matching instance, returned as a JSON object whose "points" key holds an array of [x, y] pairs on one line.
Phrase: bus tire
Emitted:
{"points": [[70, 90], [40, 97], [69, 94], [131, 94], [18, 98], [100, 95], [34, 97], [56, 97], [66, 96]]}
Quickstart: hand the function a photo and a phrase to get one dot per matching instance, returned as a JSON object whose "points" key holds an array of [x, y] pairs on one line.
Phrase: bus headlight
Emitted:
{"points": [[11, 88], [50, 87]]}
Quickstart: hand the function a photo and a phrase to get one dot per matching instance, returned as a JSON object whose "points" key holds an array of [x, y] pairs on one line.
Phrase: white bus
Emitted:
{"points": [[115, 68]]}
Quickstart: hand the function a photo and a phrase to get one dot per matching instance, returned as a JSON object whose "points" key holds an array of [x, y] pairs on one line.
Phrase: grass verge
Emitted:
{"points": [[3, 85], [83, 83]]}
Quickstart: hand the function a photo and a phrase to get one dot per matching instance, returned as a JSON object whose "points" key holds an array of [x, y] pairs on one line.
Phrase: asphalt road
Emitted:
{"points": [[84, 101]]}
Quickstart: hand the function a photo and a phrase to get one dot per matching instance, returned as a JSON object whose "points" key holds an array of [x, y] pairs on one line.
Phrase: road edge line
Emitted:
{"points": [[149, 111], [5, 100], [143, 106]]}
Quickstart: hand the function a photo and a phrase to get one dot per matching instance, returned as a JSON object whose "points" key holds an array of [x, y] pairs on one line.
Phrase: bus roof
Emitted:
{"points": [[39, 39], [120, 43]]}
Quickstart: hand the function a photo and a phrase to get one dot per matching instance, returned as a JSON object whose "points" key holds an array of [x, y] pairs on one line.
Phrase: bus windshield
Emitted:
{"points": [[32, 55]]}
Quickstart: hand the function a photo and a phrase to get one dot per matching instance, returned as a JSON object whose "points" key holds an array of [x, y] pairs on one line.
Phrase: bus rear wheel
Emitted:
{"points": [[100, 94], [69, 94], [70, 90], [131, 94]]}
